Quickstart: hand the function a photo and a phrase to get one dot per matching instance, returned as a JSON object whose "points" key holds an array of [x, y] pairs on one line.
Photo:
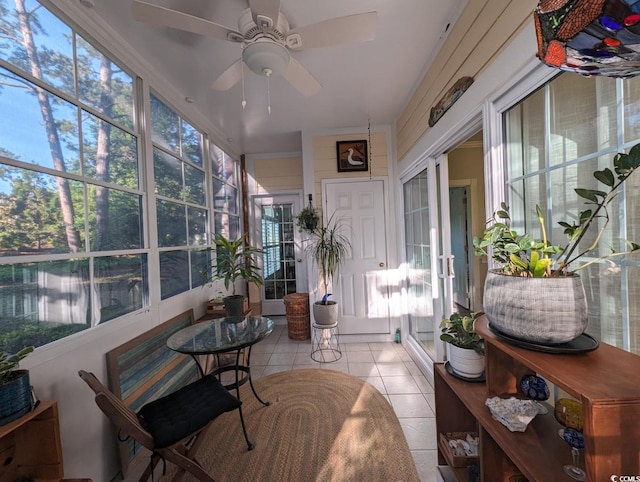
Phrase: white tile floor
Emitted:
{"points": [[387, 366]]}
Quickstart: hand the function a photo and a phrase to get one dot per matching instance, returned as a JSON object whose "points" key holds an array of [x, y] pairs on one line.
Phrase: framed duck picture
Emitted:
{"points": [[352, 156]]}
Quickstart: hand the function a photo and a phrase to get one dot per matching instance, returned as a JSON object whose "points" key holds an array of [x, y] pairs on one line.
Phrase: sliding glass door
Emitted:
{"points": [[429, 263]]}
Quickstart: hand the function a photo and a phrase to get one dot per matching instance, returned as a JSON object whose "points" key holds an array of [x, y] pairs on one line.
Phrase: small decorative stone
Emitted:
{"points": [[467, 447], [512, 413]]}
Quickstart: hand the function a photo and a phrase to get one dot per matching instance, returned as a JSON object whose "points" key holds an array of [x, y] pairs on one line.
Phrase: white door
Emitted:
{"points": [[362, 290], [282, 267]]}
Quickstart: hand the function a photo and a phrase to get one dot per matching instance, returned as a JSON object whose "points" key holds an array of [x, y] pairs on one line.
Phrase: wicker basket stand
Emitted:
{"points": [[298, 318]]}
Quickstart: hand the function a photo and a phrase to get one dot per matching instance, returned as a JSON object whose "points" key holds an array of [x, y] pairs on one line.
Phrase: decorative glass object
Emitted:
{"points": [[576, 440], [535, 388], [569, 413], [590, 37]]}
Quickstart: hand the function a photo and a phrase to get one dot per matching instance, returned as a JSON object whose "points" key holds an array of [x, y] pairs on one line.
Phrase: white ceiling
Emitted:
{"points": [[361, 81]]}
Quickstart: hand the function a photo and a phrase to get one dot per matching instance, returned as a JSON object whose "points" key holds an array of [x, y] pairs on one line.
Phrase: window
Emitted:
{"points": [[555, 139], [73, 199], [225, 193], [181, 207], [72, 253]]}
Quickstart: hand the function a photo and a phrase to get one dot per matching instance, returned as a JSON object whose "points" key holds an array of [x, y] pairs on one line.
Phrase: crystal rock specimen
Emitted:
{"points": [[512, 413]]}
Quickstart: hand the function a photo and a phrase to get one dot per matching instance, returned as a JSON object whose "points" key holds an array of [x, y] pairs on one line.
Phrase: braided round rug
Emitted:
{"points": [[321, 425]]}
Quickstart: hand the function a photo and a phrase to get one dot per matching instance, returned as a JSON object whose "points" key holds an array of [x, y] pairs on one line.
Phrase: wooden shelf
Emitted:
{"points": [[30, 446], [605, 380]]}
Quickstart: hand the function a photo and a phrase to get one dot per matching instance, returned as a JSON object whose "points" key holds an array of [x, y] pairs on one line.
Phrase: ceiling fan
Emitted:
{"points": [[266, 39]]}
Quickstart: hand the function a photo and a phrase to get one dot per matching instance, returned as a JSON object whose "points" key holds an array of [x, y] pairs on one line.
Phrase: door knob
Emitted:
{"points": [[299, 260], [381, 265]]}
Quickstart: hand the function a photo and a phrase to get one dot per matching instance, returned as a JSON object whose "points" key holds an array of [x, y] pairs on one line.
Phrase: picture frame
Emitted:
{"points": [[352, 156]]}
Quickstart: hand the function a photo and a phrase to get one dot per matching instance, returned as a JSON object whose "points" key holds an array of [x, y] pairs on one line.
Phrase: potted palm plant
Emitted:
{"points": [[15, 389], [328, 248], [233, 260], [465, 348], [536, 295]]}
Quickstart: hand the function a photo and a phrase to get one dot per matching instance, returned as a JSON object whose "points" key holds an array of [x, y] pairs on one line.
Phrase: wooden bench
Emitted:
{"points": [[144, 369]]}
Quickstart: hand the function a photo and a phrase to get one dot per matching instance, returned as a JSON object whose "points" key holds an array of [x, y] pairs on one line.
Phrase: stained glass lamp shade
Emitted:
{"points": [[590, 37]]}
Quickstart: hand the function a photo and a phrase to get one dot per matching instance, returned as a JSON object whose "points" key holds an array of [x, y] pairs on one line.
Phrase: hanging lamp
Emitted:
{"points": [[590, 37]]}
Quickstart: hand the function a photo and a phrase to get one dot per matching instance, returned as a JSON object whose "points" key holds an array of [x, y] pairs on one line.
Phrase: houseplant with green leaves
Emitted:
{"points": [[15, 390], [465, 348], [232, 260], [307, 219], [536, 295], [328, 247]]}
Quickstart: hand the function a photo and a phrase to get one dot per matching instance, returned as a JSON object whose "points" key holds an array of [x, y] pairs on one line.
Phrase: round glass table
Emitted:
{"points": [[224, 335]]}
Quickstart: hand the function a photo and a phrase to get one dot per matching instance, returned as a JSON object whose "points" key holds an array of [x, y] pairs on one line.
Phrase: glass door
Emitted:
{"points": [[428, 254], [282, 267]]}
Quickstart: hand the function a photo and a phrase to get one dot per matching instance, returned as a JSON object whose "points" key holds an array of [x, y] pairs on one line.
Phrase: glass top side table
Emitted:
{"points": [[224, 335]]}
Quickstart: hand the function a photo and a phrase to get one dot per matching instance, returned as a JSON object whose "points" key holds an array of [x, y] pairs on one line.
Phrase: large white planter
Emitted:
{"points": [[325, 314], [465, 361], [546, 311]]}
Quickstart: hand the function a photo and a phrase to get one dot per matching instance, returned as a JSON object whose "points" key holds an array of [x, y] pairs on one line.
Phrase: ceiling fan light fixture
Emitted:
{"points": [[261, 56]]}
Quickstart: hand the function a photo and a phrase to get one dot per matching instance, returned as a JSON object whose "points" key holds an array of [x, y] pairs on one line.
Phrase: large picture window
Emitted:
{"points": [[76, 181], [555, 139], [72, 253], [181, 204]]}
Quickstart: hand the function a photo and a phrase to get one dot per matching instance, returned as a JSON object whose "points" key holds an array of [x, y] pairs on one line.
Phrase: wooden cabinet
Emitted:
{"points": [[606, 381], [30, 446]]}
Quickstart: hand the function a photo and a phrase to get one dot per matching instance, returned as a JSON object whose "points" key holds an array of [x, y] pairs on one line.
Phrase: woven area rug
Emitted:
{"points": [[322, 425]]}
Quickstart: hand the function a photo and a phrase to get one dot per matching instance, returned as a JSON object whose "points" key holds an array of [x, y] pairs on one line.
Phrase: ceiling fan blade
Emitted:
{"points": [[301, 78], [229, 77], [359, 27], [165, 17], [264, 8]]}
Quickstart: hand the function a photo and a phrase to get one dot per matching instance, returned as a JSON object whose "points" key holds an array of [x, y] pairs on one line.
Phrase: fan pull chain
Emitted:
{"points": [[267, 73], [244, 101]]}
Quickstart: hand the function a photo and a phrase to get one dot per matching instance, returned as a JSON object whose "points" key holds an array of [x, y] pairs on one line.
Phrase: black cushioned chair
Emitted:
{"points": [[171, 426]]}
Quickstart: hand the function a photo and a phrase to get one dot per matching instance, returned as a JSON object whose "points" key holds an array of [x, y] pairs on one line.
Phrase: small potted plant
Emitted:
{"points": [[15, 389], [465, 348], [233, 260], [328, 248], [536, 296]]}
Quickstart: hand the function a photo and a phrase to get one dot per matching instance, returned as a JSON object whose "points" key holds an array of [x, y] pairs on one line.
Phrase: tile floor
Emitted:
{"points": [[387, 366]]}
